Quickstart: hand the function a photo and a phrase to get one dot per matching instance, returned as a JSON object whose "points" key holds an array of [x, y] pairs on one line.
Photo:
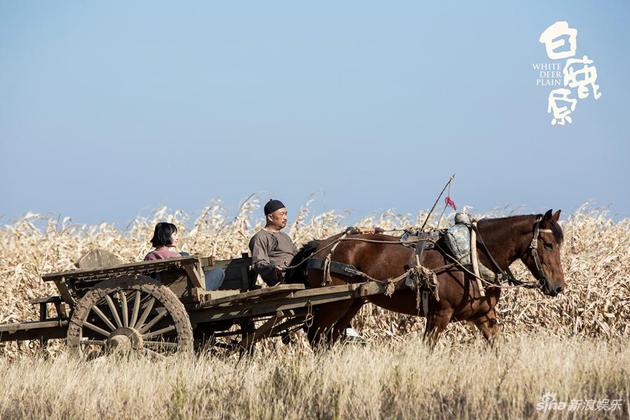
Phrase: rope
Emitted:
{"points": [[327, 279], [499, 286], [417, 273], [345, 238], [309, 257], [378, 241]]}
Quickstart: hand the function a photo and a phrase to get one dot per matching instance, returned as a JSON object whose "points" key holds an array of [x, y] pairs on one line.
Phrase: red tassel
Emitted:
{"points": [[449, 202]]}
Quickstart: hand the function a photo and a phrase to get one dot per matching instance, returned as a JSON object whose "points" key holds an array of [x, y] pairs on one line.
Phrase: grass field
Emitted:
{"points": [[387, 379], [574, 346]]}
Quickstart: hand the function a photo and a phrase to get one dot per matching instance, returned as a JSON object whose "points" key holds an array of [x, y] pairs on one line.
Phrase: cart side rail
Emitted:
{"points": [[142, 267], [33, 330], [260, 303]]}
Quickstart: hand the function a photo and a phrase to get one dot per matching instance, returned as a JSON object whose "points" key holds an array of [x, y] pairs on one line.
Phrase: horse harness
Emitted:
{"points": [[507, 275], [419, 277], [533, 246]]}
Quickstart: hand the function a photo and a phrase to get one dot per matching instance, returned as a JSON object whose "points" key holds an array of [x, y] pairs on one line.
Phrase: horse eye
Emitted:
{"points": [[548, 247]]}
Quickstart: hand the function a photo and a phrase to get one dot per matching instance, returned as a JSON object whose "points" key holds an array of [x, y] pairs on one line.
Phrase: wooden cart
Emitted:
{"points": [[158, 307]]}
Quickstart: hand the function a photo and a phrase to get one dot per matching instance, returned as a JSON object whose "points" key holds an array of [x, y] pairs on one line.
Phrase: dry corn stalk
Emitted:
{"points": [[596, 260]]}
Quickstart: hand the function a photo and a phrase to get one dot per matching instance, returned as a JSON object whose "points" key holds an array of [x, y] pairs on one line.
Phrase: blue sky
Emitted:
{"points": [[111, 109]]}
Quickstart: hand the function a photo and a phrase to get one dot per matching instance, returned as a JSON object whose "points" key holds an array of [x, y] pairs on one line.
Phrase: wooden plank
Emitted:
{"points": [[206, 295], [363, 289], [195, 274], [221, 313], [34, 332], [236, 273], [317, 291], [286, 325], [244, 278], [64, 291], [261, 331], [31, 325], [196, 293], [47, 299], [254, 294], [295, 300], [43, 311], [142, 266], [209, 262]]}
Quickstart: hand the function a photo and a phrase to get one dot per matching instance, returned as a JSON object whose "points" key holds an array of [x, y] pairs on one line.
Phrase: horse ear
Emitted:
{"points": [[548, 215], [556, 216]]}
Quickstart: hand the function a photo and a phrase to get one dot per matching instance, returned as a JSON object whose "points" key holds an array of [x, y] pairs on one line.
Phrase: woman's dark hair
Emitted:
{"points": [[162, 236]]}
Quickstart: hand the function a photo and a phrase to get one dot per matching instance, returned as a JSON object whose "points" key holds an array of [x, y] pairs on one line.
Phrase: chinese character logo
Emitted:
{"points": [[580, 75]]}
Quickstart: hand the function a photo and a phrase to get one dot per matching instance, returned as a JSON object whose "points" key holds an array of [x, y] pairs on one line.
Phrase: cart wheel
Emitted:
{"points": [[129, 314]]}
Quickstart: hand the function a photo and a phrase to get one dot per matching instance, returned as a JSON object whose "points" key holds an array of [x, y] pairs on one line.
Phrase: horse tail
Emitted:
{"points": [[298, 274]]}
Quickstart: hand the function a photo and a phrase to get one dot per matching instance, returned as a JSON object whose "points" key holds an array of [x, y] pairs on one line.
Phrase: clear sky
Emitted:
{"points": [[111, 109]]}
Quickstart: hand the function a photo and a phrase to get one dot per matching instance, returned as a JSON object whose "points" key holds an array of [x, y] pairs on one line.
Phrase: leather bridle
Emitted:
{"points": [[533, 247]]}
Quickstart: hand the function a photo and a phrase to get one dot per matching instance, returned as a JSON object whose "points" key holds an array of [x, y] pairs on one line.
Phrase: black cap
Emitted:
{"points": [[273, 205]]}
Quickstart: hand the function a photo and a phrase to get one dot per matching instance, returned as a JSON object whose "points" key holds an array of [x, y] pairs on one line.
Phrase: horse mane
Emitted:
{"points": [[556, 229], [298, 274]]}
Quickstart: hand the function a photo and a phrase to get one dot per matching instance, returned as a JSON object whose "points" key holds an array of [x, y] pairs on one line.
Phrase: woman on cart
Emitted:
{"points": [[164, 242]]}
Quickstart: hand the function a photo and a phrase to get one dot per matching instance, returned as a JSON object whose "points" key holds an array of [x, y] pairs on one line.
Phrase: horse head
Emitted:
{"points": [[542, 257]]}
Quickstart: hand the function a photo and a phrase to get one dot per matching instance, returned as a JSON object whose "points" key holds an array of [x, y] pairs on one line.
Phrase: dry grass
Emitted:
{"points": [[574, 345], [384, 380]]}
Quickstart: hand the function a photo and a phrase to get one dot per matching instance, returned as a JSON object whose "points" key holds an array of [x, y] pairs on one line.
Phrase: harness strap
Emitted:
{"points": [[485, 248], [420, 276], [507, 273], [474, 258], [502, 274], [326, 279], [335, 267], [533, 246]]}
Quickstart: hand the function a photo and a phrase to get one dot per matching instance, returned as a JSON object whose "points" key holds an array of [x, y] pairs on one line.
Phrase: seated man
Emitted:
{"points": [[273, 250], [165, 240]]}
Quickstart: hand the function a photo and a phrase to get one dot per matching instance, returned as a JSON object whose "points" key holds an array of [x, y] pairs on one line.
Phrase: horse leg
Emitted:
{"points": [[488, 326], [344, 322], [322, 331], [436, 323]]}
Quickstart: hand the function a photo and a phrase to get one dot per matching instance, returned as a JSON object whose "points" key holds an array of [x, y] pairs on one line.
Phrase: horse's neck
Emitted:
{"points": [[506, 239]]}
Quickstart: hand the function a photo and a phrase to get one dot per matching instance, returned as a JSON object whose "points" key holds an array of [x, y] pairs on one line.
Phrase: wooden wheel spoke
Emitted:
{"points": [[154, 321], [136, 308], [159, 332], [143, 316], [103, 317], [145, 313], [113, 309], [125, 310], [96, 329]]}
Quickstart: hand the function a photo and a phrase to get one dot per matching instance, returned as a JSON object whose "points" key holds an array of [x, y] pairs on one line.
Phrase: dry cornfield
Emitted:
{"points": [[582, 334]]}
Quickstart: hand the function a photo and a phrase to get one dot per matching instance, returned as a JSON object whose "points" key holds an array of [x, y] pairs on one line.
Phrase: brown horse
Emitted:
{"points": [[506, 240]]}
